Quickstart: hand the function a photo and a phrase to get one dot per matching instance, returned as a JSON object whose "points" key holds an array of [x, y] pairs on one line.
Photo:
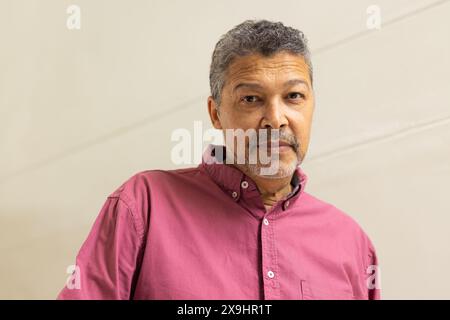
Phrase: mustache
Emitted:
{"points": [[282, 138]]}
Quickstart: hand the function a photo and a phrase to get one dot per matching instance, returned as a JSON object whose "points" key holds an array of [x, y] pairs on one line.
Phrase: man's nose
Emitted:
{"points": [[274, 115]]}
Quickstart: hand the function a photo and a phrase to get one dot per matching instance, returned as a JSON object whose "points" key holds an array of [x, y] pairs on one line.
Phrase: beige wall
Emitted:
{"points": [[82, 110]]}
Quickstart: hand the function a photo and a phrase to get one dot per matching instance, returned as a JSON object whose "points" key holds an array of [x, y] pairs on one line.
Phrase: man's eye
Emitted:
{"points": [[250, 99], [296, 95]]}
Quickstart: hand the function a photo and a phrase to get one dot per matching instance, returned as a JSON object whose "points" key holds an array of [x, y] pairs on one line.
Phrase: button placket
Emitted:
{"points": [[269, 261]]}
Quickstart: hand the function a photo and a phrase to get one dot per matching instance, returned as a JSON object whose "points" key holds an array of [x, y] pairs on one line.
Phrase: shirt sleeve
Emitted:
{"points": [[108, 262]]}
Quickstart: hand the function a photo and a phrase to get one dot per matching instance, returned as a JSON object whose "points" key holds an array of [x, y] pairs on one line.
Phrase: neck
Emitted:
{"points": [[272, 190]]}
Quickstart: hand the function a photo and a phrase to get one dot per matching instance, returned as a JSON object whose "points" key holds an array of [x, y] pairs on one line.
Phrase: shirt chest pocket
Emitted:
{"points": [[320, 291]]}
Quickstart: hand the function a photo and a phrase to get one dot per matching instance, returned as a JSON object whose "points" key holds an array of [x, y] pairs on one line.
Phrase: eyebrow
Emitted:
{"points": [[247, 85], [296, 81], [258, 86]]}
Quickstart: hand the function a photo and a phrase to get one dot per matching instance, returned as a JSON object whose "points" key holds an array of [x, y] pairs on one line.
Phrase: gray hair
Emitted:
{"points": [[254, 36]]}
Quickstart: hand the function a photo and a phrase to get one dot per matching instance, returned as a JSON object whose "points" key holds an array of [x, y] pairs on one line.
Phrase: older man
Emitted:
{"points": [[227, 229]]}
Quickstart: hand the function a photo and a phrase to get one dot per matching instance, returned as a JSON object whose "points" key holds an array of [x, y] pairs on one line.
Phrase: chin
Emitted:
{"points": [[285, 169]]}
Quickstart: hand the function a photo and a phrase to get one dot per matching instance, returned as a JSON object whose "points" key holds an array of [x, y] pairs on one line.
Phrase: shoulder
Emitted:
{"points": [[138, 190], [344, 230], [140, 184], [340, 223]]}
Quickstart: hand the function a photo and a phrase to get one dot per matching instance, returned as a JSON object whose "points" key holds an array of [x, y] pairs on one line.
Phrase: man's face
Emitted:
{"points": [[269, 93]]}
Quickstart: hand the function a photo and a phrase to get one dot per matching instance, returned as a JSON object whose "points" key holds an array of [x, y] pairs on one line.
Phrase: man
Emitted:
{"points": [[228, 229]]}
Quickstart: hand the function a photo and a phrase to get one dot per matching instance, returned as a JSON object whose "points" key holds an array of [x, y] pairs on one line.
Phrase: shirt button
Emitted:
{"points": [[270, 274], [244, 184], [266, 222], [234, 194]]}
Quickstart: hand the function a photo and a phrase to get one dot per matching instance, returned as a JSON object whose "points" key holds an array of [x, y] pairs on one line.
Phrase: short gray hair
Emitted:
{"points": [[254, 36]]}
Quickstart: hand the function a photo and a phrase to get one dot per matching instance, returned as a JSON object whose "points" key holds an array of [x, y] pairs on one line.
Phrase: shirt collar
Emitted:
{"points": [[230, 178]]}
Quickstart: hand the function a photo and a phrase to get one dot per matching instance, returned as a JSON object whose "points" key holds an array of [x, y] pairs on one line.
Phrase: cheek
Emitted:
{"points": [[249, 121], [301, 127]]}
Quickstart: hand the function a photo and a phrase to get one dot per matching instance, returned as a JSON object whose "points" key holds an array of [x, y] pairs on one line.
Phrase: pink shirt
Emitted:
{"points": [[204, 233]]}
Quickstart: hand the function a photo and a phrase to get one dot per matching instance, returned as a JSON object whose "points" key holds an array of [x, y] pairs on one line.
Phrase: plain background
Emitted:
{"points": [[83, 110]]}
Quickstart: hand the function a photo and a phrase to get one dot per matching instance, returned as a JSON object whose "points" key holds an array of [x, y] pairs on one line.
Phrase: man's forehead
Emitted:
{"points": [[256, 85], [280, 65]]}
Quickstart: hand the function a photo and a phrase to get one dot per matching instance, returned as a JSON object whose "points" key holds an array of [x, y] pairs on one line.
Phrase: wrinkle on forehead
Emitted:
{"points": [[258, 67]]}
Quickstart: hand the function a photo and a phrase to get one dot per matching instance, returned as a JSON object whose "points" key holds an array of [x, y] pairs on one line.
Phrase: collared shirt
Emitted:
{"points": [[204, 233]]}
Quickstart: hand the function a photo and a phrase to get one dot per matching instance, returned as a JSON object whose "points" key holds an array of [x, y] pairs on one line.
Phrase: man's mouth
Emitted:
{"points": [[283, 146]]}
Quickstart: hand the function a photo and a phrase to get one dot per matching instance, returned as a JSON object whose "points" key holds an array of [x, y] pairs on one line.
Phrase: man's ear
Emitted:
{"points": [[214, 113]]}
